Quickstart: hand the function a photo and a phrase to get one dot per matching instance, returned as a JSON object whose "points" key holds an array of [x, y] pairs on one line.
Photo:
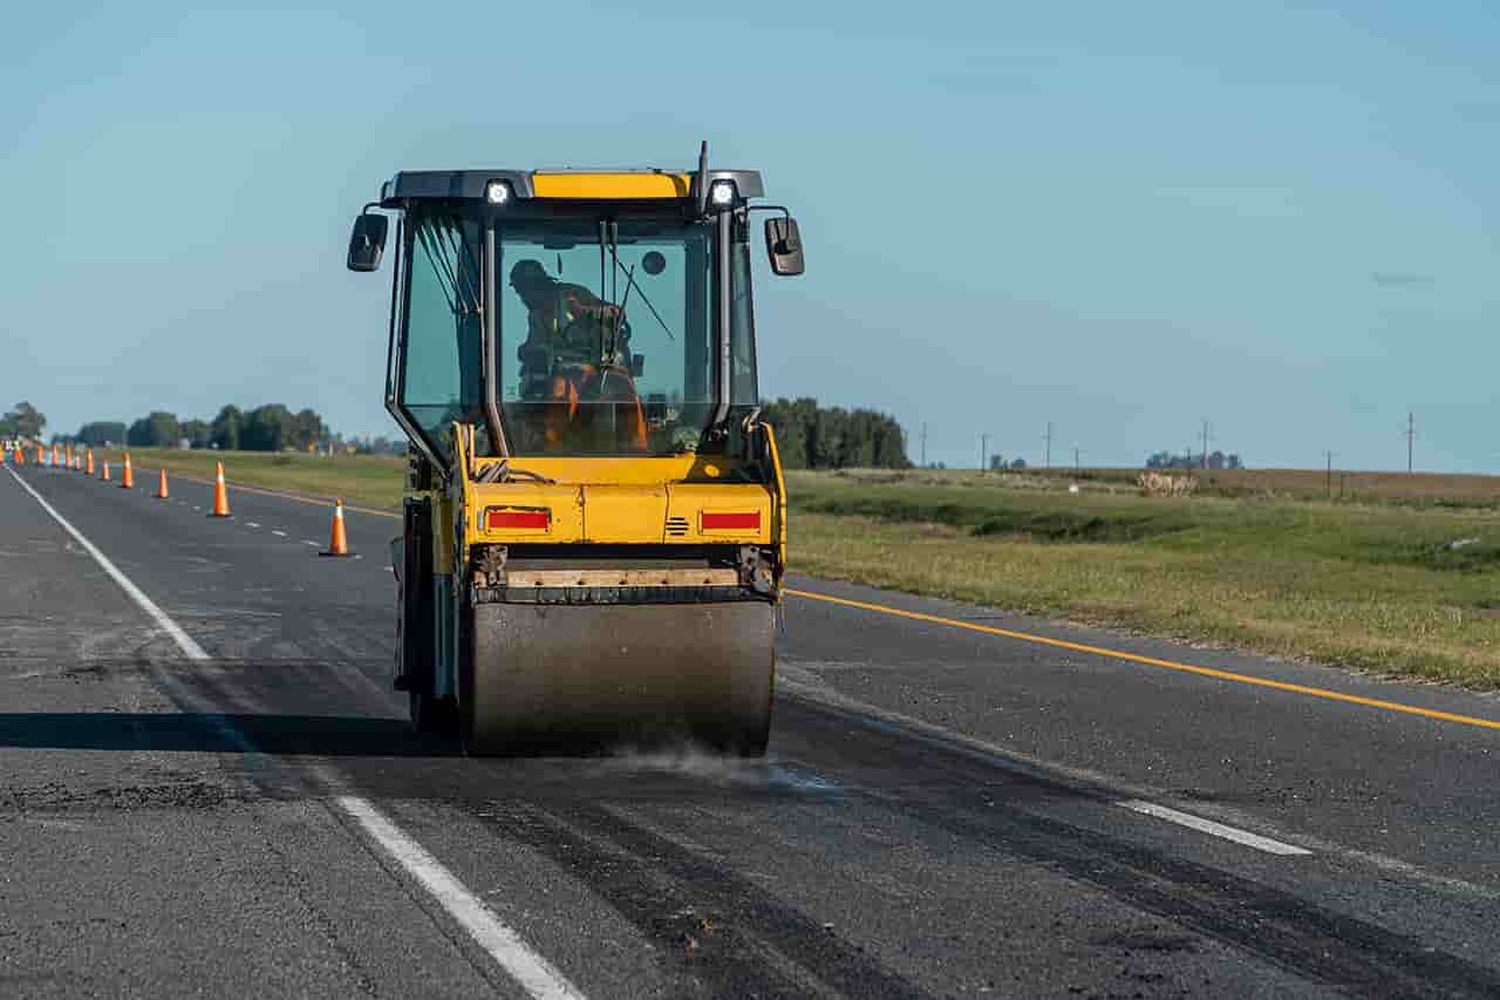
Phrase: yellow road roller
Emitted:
{"points": [[594, 518]]}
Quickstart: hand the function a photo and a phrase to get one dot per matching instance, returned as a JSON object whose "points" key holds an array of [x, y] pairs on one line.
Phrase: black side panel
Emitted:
{"points": [[417, 642]]}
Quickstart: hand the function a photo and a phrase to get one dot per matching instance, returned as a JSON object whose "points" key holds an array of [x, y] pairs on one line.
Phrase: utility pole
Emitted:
{"points": [[1047, 437], [1077, 453], [984, 444], [1207, 431], [1329, 456], [1411, 436], [924, 444]]}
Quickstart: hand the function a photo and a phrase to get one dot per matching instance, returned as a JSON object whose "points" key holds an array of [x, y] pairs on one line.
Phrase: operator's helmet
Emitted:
{"points": [[528, 274]]}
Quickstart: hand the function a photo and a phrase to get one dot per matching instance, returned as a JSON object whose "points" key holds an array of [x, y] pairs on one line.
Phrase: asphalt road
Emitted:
{"points": [[237, 808]]}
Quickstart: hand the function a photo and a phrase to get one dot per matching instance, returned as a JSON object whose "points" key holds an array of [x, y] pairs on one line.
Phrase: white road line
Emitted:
{"points": [[251, 524], [278, 532], [309, 541], [528, 968], [185, 642], [1202, 825]]}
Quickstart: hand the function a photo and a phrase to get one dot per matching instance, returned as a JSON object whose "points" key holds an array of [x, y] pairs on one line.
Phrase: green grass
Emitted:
{"points": [[365, 480], [1376, 584], [1379, 586]]}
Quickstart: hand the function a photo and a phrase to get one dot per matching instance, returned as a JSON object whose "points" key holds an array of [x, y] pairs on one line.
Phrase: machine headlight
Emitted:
{"points": [[722, 193], [497, 192]]}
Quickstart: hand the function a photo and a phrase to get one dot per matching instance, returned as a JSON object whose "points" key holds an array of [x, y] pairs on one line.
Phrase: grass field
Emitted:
{"points": [[1378, 585], [1402, 576]]}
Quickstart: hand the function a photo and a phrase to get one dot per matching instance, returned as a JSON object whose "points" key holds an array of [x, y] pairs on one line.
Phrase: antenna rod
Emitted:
{"points": [[702, 192]]}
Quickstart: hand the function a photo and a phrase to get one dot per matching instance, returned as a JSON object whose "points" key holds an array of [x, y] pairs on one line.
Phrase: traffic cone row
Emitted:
{"points": [[338, 541]]}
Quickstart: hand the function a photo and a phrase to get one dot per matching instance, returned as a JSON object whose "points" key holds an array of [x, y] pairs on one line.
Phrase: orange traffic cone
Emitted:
{"points": [[68, 457], [20, 456], [127, 478], [338, 542], [161, 485], [221, 495], [54, 456], [88, 468], [105, 474], [38, 454]]}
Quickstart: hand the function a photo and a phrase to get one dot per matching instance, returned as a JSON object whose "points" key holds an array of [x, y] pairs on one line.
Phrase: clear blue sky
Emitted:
{"points": [[1121, 218]]}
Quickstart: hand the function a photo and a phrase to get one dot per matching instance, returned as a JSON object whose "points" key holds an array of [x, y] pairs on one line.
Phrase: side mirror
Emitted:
{"points": [[784, 245], [367, 242]]}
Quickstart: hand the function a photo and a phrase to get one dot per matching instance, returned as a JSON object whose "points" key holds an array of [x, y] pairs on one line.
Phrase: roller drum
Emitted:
{"points": [[563, 678]]}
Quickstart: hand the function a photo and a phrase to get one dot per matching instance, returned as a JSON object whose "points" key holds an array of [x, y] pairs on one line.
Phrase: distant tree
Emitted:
{"points": [[813, 437], [1018, 464], [24, 420], [306, 430], [267, 428], [224, 430], [1188, 460], [199, 433], [158, 429], [102, 432], [997, 464]]}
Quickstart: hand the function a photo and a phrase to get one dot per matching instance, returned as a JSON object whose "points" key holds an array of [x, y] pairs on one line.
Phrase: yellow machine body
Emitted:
{"points": [[595, 535]]}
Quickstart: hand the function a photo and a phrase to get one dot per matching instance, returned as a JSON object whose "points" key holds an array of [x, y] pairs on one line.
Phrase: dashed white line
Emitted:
{"points": [[309, 541], [251, 524], [528, 968], [278, 532], [1208, 826]]}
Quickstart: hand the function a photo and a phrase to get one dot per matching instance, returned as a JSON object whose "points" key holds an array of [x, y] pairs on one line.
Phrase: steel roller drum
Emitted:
{"points": [[587, 678]]}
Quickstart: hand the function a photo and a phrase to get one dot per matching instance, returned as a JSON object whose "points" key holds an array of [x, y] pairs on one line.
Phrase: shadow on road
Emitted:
{"points": [[208, 732]]}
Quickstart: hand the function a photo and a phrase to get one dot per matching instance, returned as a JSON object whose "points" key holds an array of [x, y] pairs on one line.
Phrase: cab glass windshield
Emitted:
{"points": [[606, 335]]}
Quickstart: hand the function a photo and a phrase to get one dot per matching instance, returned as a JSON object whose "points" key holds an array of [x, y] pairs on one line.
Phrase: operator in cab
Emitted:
{"points": [[576, 357]]}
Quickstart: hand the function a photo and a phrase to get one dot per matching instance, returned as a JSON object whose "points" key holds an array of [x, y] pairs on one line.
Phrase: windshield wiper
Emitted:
{"points": [[630, 283]]}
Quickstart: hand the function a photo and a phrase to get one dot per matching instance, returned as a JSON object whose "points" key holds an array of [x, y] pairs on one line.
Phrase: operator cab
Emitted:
{"points": [[572, 313]]}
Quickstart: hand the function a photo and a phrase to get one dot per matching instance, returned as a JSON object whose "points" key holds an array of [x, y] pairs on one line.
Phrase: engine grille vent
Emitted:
{"points": [[677, 526]]}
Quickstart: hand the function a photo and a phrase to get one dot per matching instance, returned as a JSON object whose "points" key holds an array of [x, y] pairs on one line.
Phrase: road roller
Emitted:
{"points": [[594, 518]]}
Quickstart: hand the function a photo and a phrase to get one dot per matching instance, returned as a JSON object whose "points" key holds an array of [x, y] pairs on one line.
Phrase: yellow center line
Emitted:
{"points": [[1151, 661]]}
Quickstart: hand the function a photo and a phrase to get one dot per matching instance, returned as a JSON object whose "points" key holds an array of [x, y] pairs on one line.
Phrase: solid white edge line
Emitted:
{"points": [[185, 642], [1208, 826], [529, 969]]}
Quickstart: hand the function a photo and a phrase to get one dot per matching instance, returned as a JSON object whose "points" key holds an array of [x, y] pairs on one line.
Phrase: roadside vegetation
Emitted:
{"points": [[363, 480], [1402, 585], [1396, 582]]}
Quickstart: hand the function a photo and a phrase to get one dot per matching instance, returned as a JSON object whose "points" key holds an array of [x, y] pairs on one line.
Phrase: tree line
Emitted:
{"points": [[270, 427], [810, 436], [1188, 460]]}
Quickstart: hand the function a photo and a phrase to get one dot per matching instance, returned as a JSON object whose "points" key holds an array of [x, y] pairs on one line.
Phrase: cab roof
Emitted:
{"points": [[560, 184]]}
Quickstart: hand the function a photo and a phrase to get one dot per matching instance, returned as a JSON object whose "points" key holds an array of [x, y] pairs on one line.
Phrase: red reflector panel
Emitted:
{"points": [[529, 519], [730, 522]]}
